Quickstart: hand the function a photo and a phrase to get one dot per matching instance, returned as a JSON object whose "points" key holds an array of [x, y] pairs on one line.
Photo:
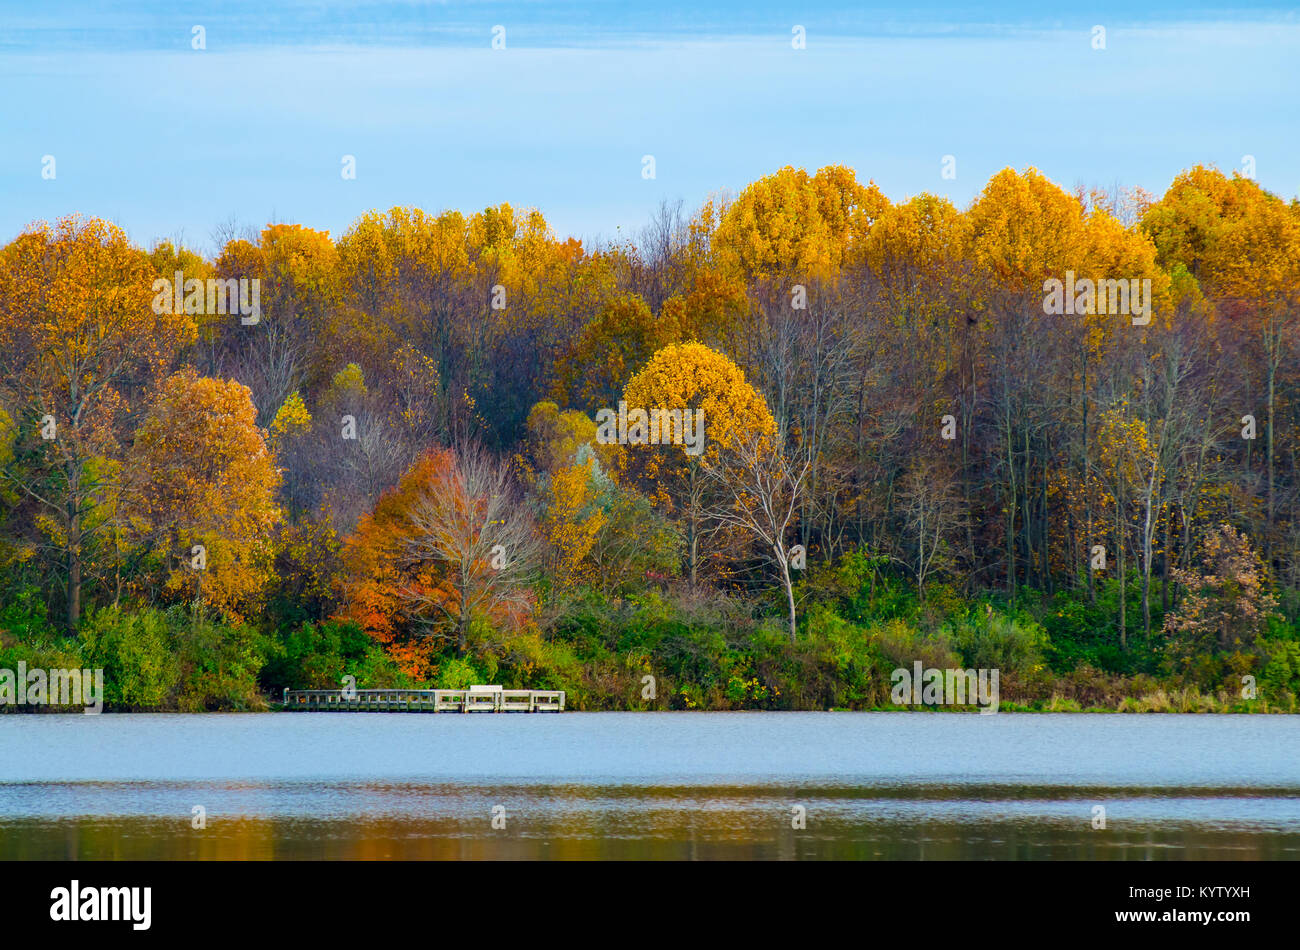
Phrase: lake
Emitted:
{"points": [[650, 785]]}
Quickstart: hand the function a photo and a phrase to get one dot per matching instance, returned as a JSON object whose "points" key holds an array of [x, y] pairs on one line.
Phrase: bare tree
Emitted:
{"points": [[931, 512], [760, 492], [475, 540], [269, 361]]}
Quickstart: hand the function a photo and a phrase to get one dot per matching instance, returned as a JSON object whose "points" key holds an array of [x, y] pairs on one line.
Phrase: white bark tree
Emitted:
{"points": [[760, 491]]}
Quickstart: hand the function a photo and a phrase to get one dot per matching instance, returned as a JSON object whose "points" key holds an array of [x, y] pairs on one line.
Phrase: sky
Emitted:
{"points": [[172, 142]]}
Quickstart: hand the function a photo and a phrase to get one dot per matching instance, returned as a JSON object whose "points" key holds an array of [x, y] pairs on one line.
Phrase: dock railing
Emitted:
{"points": [[474, 699]]}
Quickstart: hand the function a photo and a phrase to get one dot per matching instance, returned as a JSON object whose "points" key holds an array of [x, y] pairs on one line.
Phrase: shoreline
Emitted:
{"points": [[1007, 707]]}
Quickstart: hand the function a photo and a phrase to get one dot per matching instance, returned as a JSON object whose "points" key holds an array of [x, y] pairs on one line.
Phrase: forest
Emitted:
{"points": [[1053, 434]]}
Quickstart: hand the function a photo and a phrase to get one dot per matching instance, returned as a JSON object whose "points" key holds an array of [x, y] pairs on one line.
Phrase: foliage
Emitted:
{"points": [[319, 656], [1223, 612], [404, 470], [202, 476], [135, 651]]}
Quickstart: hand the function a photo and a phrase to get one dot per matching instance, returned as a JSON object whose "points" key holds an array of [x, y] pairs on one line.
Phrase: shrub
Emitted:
{"points": [[458, 674], [990, 640], [1279, 679], [218, 663], [318, 656], [135, 652]]}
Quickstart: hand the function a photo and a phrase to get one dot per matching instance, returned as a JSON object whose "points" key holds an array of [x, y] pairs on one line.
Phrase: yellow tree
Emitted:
{"points": [[407, 268], [596, 531], [1109, 251], [1027, 235], [711, 311], [787, 238], [571, 519], [622, 337], [792, 223], [77, 329], [1023, 230], [293, 340], [914, 250], [203, 492], [291, 419], [915, 255], [572, 522], [167, 259], [703, 405]]}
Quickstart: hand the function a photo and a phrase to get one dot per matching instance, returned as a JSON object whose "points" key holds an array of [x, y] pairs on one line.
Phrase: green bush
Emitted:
{"points": [[219, 663], [318, 656], [26, 636], [1279, 679], [458, 674], [136, 654], [24, 616], [990, 640]]}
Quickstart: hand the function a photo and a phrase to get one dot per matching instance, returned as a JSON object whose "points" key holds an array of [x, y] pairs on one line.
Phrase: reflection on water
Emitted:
{"points": [[636, 822], [648, 786]]}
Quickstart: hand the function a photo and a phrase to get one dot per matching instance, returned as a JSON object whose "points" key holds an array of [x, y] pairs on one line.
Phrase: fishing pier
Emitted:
{"points": [[474, 699]]}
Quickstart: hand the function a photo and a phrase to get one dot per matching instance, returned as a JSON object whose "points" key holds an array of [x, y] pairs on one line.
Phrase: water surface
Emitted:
{"points": [[650, 785]]}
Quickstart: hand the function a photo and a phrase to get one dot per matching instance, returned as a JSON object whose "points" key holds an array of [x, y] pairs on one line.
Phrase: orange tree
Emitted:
{"points": [[449, 545]]}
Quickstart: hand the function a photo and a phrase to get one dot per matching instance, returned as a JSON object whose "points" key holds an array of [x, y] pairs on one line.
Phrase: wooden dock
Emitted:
{"points": [[474, 699]]}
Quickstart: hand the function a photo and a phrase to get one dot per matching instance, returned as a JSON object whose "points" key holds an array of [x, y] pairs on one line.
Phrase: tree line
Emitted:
{"points": [[1057, 427]]}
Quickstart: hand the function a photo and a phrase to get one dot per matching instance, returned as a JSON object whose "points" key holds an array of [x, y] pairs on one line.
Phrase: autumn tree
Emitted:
{"points": [[759, 491], [289, 343], [1224, 607], [932, 514], [470, 532], [202, 493], [596, 531], [79, 339], [450, 544], [792, 223], [620, 340], [570, 519], [1242, 245], [691, 378], [168, 259]]}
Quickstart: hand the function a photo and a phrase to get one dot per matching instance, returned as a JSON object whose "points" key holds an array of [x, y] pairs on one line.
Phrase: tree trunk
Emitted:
{"points": [[74, 551], [1119, 561], [1011, 517], [1087, 487], [1272, 379], [1148, 551], [1164, 564], [74, 589], [693, 539], [789, 591]]}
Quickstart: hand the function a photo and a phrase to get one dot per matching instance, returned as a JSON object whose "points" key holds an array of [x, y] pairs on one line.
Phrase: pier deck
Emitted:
{"points": [[424, 700]]}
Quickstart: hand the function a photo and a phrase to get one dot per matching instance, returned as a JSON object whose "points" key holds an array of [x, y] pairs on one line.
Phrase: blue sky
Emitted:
{"points": [[169, 141]]}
